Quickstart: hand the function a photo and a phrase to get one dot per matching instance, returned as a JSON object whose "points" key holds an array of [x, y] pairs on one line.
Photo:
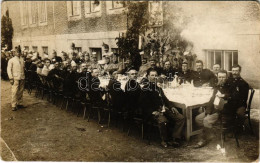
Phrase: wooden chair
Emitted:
{"points": [[248, 109], [229, 123]]}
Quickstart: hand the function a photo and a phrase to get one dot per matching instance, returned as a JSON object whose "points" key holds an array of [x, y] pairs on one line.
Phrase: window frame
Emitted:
{"points": [[35, 47], [30, 7], [43, 51], [42, 23], [224, 54], [22, 14], [88, 12], [113, 10], [70, 12]]}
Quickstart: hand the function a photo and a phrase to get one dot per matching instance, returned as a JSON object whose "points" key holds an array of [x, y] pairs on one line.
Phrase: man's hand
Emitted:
{"points": [[156, 113], [205, 85], [11, 81]]}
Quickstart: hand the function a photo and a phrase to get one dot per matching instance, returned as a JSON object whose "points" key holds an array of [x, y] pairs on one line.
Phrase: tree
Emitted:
{"points": [[6, 31], [160, 29], [137, 23]]}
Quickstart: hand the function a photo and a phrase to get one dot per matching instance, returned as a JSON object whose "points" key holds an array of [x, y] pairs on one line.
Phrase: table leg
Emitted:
{"points": [[188, 124]]}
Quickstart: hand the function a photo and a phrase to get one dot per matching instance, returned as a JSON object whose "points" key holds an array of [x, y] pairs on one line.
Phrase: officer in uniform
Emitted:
{"points": [[155, 105], [237, 100], [15, 70], [204, 77], [185, 75]]}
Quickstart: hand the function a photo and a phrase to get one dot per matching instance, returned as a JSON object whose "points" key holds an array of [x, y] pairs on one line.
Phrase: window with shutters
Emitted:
{"points": [[92, 8], [33, 11], [42, 16], [225, 58], [115, 7], [24, 13], [74, 10]]}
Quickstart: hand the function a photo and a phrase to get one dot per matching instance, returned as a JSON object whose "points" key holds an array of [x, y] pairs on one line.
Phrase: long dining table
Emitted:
{"points": [[189, 98], [186, 97]]}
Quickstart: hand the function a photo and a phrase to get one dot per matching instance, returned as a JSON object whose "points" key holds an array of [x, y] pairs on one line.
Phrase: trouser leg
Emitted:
{"points": [[208, 121], [241, 115], [199, 122], [162, 122], [179, 122], [14, 90], [20, 92]]}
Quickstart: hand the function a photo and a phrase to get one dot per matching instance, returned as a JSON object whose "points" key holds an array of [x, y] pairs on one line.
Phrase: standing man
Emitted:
{"points": [[15, 70]]}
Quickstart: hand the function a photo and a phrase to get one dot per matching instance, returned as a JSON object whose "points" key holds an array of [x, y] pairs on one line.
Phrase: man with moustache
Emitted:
{"points": [[210, 116], [204, 77], [156, 106]]}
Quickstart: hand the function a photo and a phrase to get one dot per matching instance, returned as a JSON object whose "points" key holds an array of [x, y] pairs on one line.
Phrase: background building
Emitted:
{"points": [[221, 32], [48, 25]]}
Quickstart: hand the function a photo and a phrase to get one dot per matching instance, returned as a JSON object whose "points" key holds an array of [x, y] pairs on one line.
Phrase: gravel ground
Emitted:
{"points": [[43, 132]]}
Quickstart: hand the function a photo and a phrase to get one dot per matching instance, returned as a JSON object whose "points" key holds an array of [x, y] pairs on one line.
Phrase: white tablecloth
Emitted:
{"points": [[189, 96]]}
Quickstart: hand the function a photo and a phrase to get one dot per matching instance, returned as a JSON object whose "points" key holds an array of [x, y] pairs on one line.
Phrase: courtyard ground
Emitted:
{"points": [[44, 132]]}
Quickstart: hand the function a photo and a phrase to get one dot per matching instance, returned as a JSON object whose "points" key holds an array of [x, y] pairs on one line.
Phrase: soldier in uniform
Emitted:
{"points": [[185, 75], [15, 70], [168, 71], [210, 116], [94, 64], [216, 69], [237, 100], [155, 105], [204, 77], [143, 69]]}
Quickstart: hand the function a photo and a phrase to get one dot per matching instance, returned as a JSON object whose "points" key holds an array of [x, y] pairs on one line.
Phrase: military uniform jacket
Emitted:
{"points": [[152, 99], [15, 68], [205, 76], [238, 92]]}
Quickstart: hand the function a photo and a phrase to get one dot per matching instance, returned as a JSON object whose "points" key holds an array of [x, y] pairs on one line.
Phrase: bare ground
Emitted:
{"points": [[43, 132]]}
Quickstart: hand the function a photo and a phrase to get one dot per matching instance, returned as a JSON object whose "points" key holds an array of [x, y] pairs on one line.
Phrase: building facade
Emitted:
{"points": [[48, 25], [226, 33]]}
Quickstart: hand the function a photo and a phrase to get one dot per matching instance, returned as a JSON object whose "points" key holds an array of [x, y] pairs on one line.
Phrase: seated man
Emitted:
{"points": [[143, 69], [132, 91], [210, 116], [109, 66], [116, 93], [238, 94], [203, 77], [94, 64], [46, 68], [155, 105], [153, 66], [95, 92], [168, 71], [216, 69], [124, 68], [57, 58], [186, 75]]}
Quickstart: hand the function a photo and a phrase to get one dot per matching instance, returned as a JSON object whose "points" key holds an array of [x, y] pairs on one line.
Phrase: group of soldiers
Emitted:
{"points": [[146, 97]]}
